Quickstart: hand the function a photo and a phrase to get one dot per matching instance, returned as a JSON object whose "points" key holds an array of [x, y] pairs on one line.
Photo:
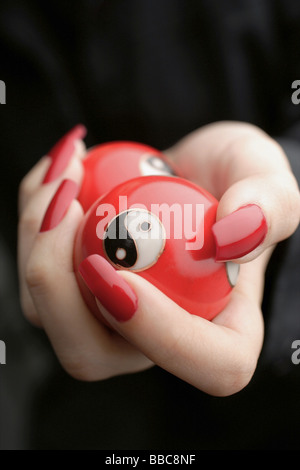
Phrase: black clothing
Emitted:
{"points": [[148, 71]]}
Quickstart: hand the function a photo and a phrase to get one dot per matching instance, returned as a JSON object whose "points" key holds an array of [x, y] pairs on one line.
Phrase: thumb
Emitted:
{"points": [[254, 214], [182, 344]]}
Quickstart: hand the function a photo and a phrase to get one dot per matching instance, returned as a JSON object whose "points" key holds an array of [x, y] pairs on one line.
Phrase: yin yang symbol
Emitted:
{"points": [[134, 240], [153, 165]]}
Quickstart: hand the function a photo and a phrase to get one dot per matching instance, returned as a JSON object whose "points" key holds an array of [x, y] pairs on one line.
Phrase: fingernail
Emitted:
{"points": [[62, 152], [239, 233], [112, 291], [59, 205]]}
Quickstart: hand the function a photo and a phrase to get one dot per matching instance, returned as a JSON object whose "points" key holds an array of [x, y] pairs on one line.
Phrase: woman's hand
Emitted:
{"points": [[49, 216], [240, 165]]}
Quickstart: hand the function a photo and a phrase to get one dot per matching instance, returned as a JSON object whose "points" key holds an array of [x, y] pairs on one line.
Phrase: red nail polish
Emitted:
{"points": [[112, 291], [62, 152], [239, 233], [59, 205]]}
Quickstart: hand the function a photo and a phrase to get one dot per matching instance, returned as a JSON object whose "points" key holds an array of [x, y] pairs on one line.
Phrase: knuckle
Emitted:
{"points": [[237, 376], [28, 223], [294, 211], [81, 363], [33, 319], [295, 205], [24, 185], [37, 275], [264, 153], [28, 308], [81, 374], [288, 203], [81, 369], [31, 316]]}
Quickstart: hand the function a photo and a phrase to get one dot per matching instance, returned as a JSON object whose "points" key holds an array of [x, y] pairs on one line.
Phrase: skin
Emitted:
{"points": [[240, 165]]}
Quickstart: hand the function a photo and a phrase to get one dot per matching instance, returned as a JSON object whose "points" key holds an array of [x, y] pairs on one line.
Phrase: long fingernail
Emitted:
{"points": [[112, 291], [239, 233], [59, 205], [62, 152]]}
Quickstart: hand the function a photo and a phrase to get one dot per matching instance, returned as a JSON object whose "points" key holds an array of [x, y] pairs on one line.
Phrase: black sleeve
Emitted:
{"points": [[281, 303]]}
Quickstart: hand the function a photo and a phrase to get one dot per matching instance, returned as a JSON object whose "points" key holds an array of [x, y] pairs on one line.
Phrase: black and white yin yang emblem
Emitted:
{"points": [[153, 165], [134, 240]]}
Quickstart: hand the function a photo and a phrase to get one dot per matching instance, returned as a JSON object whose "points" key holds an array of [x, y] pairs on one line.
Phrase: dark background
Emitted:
{"points": [[149, 71]]}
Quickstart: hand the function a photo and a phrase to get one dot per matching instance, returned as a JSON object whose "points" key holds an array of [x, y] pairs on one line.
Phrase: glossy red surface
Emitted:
{"points": [[107, 165], [192, 278]]}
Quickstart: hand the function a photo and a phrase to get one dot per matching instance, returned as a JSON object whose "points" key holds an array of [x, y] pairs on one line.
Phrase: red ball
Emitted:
{"points": [[109, 164], [160, 228]]}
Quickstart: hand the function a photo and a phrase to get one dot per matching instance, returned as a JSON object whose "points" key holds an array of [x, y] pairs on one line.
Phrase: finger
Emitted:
{"points": [[31, 181], [255, 214], [29, 224], [63, 151], [52, 166], [242, 166], [218, 358], [87, 349]]}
